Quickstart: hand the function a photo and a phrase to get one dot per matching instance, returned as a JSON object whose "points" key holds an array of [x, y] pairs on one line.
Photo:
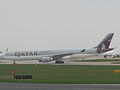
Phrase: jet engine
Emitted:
{"points": [[45, 59]]}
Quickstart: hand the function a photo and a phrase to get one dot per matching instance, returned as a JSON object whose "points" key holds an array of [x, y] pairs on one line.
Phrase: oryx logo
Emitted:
{"points": [[105, 43], [103, 46]]}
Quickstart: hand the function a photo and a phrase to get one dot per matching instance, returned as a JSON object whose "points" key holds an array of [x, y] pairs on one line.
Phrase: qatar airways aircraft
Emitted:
{"points": [[57, 55]]}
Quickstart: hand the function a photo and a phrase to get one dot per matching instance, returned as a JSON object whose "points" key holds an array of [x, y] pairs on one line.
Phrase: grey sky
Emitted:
{"points": [[57, 24]]}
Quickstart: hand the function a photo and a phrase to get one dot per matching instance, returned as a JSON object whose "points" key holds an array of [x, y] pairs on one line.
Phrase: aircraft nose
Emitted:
{"points": [[1, 54]]}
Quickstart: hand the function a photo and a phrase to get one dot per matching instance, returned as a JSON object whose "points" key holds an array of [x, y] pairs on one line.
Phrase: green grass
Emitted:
{"points": [[62, 74], [116, 62], [99, 60]]}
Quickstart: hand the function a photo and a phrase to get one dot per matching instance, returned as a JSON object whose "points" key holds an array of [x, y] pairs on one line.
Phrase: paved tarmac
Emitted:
{"points": [[67, 62], [59, 86]]}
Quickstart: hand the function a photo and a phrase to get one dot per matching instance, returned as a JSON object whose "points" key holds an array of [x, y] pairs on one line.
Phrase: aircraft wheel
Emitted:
{"points": [[59, 62]]}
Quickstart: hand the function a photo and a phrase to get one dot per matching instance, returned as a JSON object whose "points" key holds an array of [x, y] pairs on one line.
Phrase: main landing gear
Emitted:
{"points": [[14, 63], [59, 62]]}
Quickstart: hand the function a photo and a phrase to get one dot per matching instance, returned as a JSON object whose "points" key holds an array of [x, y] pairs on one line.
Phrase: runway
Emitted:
{"points": [[67, 62], [59, 86]]}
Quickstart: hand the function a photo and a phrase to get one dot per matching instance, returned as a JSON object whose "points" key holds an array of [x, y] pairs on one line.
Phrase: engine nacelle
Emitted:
{"points": [[45, 59]]}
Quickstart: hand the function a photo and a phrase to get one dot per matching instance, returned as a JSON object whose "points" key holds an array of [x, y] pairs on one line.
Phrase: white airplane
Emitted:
{"points": [[113, 54], [57, 55]]}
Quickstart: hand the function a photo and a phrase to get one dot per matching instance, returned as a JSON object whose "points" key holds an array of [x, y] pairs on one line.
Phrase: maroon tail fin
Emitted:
{"points": [[104, 45]]}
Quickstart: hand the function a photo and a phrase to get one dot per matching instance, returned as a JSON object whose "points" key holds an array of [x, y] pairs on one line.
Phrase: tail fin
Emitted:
{"points": [[104, 45]]}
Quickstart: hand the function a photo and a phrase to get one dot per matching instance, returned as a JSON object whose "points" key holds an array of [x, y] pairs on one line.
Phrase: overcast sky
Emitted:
{"points": [[58, 24]]}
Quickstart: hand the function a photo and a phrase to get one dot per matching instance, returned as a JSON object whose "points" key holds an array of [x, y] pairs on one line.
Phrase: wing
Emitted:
{"points": [[59, 56]]}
